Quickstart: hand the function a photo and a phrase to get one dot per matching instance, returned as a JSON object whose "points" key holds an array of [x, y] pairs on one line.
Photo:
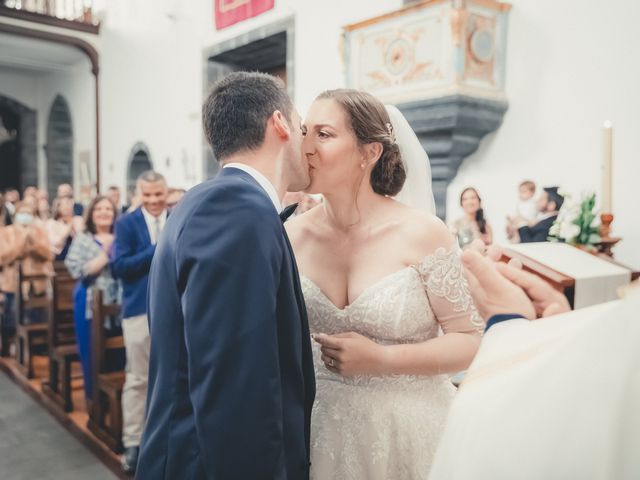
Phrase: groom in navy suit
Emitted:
{"points": [[231, 381]]}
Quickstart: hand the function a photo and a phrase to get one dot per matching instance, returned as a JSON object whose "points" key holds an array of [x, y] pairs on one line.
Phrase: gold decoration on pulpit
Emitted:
{"points": [[399, 59], [399, 56], [458, 22], [380, 79], [480, 48]]}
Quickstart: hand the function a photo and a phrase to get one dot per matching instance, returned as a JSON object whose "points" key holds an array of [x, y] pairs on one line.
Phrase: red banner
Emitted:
{"points": [[229, 12]]}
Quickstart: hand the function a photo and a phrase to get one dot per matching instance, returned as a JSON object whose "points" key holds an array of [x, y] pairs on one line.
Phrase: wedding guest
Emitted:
{"points": [[174, 196], [549, 203], [66, 190], [63, 226], [136, 236], [44, 211], [113, 193], [5, 216], [134, 201], [526, 209], [41, 193], [11, 197], [88, 262], [473, 224], [25, 241], [30, 191], [305, 201]]}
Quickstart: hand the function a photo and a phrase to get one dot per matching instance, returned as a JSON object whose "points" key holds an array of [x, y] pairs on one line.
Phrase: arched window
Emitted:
{"points": [[59, 146], [139, 161]]}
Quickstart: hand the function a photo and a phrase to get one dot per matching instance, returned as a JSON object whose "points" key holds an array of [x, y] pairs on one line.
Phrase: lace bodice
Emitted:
{"points": [[388, 427], [407, 306]]}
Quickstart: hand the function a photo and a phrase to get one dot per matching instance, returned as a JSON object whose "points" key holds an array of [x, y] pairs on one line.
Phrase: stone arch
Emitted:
{"points": [[59, 147], [139, 161]]}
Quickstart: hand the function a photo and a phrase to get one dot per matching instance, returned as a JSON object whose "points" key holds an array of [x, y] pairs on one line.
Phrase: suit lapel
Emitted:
{"points": [[142, 226], [309, 374]]}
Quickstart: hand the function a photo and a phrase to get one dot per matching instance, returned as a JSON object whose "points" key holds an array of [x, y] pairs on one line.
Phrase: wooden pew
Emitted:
{"points": [[105, 415], [63, 350], [29, 336]]}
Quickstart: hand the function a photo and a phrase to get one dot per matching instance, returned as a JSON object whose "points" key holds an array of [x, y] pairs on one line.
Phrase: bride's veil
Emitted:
{"points": [[417, 191]]}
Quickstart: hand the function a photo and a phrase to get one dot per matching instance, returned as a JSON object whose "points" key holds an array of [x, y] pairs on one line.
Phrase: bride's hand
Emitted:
{"points": [[350, 354]]}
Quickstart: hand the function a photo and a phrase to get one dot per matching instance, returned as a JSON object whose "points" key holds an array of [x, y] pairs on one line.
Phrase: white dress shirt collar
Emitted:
{"points": [[263, 181], [150, 220]]}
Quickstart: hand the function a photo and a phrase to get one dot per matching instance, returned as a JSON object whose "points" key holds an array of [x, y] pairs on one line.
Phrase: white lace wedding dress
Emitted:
{"points": [[379, 428]]}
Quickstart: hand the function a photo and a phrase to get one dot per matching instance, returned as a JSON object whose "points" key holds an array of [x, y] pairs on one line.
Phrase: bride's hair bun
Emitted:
{"points": [[370, 123], [388, 175]]}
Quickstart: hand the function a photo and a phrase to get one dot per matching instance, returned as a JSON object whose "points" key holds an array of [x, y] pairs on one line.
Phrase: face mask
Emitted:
{"points": [[24, 218]]}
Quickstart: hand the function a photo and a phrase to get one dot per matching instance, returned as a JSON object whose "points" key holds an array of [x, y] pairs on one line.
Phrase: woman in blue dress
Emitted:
{"points": [[88, 262]]}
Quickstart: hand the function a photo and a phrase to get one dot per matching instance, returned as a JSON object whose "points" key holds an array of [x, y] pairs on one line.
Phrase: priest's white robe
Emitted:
{"points": [[557, 398]]}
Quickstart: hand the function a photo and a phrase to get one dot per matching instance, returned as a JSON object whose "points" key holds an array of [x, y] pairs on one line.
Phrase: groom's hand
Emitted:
{"points": [[350, 354]]}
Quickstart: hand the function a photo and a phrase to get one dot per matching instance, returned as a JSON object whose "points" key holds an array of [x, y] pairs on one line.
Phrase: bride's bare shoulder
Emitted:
{"points": [[425, 231]]}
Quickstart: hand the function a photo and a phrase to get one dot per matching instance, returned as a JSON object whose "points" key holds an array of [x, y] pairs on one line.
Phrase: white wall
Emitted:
{"points": [[20, 86], [151, 89], [570, 66]]}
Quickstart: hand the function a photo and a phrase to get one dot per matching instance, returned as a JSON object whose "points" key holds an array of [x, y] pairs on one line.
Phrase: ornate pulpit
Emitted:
{"points": [[442, 62]]}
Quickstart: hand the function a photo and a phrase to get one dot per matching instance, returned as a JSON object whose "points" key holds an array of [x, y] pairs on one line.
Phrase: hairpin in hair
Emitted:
{"points": [[390, 132]]}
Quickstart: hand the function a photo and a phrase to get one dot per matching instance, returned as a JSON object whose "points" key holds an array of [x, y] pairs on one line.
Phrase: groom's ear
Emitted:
{"points": [[280, 125], [372, 152]]}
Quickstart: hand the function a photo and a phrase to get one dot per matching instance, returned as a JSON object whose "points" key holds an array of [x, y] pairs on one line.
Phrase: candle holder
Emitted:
{"points": [[606, 241], [606, 219]]}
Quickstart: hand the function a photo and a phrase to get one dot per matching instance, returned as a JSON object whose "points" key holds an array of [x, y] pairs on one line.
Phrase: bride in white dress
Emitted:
{"points": [[380, 279]]}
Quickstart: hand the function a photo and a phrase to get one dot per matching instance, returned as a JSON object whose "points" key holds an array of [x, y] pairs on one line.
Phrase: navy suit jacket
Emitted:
{"points": [[231, 381], [132, 260], [537, 233]]}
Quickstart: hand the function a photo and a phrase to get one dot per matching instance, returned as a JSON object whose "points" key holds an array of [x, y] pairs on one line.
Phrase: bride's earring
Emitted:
{"points": [[362, 166]]}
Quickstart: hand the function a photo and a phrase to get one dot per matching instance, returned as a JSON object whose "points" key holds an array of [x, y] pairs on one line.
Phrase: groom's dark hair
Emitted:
{"points": [[236, 112]]}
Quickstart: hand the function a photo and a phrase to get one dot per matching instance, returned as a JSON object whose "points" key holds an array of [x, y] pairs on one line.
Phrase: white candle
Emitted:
{"points": [[607, 160]]}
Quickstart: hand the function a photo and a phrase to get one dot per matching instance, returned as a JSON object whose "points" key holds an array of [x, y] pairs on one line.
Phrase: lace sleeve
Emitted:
{"points": [[448, 292]]}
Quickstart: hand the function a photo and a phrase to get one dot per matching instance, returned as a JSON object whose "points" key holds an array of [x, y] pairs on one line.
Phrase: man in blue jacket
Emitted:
{"points": [[135, 243]]}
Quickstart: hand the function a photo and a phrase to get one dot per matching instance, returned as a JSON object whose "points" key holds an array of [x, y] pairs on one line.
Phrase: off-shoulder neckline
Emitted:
{"points": [[438, 252]]}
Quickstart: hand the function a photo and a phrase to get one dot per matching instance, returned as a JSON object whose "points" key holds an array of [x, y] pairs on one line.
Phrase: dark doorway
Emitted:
{"points": [[18, 153], [139, 161], [9, 148], [268, 55], [264, 50], [59, 146]]}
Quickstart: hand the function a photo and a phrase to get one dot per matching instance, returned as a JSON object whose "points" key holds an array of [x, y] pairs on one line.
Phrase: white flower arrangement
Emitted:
{"points": [[576, 221]]}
